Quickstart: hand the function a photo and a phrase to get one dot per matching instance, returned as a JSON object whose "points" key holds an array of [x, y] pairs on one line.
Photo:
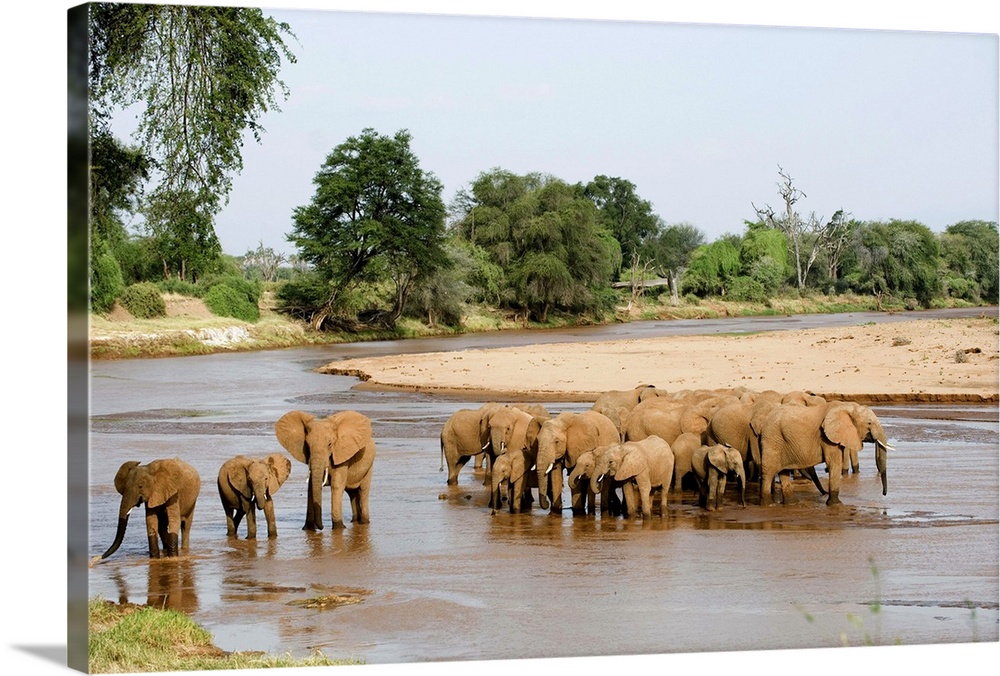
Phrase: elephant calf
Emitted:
{"points": [[248, 484], [168, 489], [712, 464]]}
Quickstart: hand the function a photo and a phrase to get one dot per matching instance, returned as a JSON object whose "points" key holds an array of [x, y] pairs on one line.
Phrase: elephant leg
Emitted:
{"points": [[252, 523], [337, 485], [766, 484], [170, 544], [785, 479], [720, 491], [272, 528], [359, 507], [455, 467], [834, 463], [555, 485], [645, 499], [237, 519], [578, 501], [310, 507], [186, 530], [156, 528], [230, 523], [712, 499]]}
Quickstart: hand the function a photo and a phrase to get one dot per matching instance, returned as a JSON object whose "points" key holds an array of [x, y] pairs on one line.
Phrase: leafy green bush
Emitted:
{"points": [[106, 282], [226, 301], [747, 289], [249, 289], [143, 300], [179, 286]]}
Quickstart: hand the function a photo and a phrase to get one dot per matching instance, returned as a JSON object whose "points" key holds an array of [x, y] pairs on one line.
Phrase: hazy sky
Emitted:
{"points": [[884, 124]]}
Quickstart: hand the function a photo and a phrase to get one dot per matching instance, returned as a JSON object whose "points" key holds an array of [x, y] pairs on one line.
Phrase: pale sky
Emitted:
{"points": [[882, 123]]}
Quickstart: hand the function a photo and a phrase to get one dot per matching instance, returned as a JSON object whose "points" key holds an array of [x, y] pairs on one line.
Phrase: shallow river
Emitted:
{"points": [[439, 578]]}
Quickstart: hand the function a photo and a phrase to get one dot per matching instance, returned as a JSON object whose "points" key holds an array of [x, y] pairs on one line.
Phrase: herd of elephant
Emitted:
{"points": [[340, 453], [647, 440], [640, 442]]}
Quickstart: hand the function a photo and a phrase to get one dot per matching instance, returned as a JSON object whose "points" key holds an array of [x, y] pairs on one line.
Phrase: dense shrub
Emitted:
{"points": [[179, 286], [747, 289], [143, 300], [105, 278], [248, 288], [226, 301]]}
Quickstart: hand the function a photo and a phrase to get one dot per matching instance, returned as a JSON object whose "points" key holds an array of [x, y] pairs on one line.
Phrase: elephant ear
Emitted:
{"points": [[291, 432], [121, 478], [532, 428], [718, 458], [236, 477], [632, 464], [279, 467], [166, 482], [839, 428], [354, 431]]}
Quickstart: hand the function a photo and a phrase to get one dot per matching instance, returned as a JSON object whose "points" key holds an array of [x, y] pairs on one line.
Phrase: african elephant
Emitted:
{"points": [[648, 464], [799, 437], [561, 440], [463, 437], [579, 480], [340, 452], [248, 484], [683, 448], [503, 422], [669, 418], [169, 489], [712, 464], [512, 475], [616, 404]]}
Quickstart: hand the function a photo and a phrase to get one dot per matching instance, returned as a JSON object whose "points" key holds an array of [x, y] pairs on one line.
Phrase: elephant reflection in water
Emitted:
{"points": [[170, 585]]}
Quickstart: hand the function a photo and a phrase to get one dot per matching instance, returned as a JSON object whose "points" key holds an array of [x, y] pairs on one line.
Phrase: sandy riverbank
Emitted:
{"points": [[924, 360]]}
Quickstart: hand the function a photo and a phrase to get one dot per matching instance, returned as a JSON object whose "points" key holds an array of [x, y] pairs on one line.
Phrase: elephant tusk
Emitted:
{"points": [[551, 465], [485, 446], [326, 477]]}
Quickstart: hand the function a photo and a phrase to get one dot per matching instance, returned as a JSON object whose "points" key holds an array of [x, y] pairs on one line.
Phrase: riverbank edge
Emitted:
{"points": [[465, 393]]}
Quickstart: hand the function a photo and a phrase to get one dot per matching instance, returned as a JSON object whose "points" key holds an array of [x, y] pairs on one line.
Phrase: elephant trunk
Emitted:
{"points": [[318, 477], [877, 434], [119, 536], [880, 464], [543, 465]]}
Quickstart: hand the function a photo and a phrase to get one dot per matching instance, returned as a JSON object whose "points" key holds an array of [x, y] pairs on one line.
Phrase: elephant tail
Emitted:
{"points": [[441, 469], [119, 536]]}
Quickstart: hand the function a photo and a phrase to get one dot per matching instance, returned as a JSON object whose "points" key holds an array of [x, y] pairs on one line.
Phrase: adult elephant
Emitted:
{"points": [[561, 440], [464, 436], [617, 404], [712, 465], [683, 448], [800, 437], [169, 489], [644, 466], [505, 426], [340, 452], [248, 484], [669, 418]]}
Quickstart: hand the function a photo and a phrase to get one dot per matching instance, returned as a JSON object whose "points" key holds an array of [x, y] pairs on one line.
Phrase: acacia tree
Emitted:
{"points": [[375, 216], [204, 76]]}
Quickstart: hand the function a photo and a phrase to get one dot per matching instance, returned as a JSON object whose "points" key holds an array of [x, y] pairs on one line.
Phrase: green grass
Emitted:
{"points": [[130, 638]]}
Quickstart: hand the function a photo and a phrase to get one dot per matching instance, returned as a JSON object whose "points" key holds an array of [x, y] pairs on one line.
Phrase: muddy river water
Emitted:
{"points": [[435, 577]]}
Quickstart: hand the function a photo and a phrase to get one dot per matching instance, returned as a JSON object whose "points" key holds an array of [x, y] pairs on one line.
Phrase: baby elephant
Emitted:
{"points": [[711, 465], [248, 484]]}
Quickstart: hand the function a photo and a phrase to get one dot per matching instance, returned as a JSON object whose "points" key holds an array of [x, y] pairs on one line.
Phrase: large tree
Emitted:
{"points": [[376, 216], [203, 77], [671, 250], [623, 213], [543, 239]]}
